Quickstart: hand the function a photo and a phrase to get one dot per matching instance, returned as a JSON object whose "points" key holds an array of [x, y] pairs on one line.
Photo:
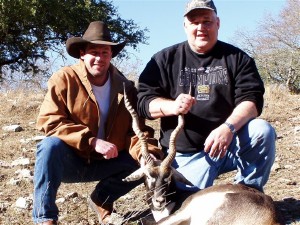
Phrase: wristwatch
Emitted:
{"points": [[231, 127]]}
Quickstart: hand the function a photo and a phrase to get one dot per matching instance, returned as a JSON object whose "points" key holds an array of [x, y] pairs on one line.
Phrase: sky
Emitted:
{"points": [[164, 20]]}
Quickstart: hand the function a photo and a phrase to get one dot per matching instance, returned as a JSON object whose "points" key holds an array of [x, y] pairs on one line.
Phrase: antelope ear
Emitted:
{"points": [[136, 175], [180, 178]]}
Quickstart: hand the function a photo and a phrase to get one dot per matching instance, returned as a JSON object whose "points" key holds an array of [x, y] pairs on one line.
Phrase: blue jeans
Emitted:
{"points": [[251, 153], [57, 162]]}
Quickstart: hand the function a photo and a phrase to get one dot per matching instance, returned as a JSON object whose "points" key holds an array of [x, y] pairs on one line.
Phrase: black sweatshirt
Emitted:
{"points": [[221, 79]]}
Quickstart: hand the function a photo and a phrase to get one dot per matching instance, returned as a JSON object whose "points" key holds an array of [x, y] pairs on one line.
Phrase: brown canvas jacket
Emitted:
{"points": [[70, 112]]}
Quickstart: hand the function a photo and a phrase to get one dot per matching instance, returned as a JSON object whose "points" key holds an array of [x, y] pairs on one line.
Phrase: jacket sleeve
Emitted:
{"points": [[135, 145], [57, 113]]}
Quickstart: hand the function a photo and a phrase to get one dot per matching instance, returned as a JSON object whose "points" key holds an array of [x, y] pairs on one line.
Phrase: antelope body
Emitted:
{"points": [[227, 204]]}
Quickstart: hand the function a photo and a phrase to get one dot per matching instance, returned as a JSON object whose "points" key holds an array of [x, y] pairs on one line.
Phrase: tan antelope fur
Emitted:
{"points": [[227, 204]]}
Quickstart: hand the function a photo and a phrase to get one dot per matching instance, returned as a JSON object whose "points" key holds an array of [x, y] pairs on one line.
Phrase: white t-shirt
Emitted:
{"points": [[102, 94]]}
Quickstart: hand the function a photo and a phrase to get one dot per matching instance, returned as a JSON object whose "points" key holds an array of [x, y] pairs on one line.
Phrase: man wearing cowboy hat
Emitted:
{"points": [[88, 129]]}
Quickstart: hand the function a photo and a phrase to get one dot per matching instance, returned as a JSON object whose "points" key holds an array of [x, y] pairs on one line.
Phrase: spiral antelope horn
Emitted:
{"points": [[137, 130], [172, 145]]}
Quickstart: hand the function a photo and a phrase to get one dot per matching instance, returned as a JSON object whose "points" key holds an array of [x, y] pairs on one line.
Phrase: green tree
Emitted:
{"points": [[31, 28], [275, 45]]}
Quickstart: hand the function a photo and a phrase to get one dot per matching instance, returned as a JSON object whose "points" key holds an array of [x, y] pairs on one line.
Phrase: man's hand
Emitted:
{"points": [[107, 149], [183, 103], [218, 141], [161, 107]]}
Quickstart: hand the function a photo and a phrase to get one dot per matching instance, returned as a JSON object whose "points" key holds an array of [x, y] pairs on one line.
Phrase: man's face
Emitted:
{"points": [[97, 59], [201, 27]]}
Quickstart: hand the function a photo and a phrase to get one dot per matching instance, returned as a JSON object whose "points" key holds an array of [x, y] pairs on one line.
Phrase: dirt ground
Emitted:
{"points": [[281, 110]]}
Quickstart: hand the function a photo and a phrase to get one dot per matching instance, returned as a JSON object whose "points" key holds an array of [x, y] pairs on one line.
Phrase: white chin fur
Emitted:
{"points": [[158, 215]]}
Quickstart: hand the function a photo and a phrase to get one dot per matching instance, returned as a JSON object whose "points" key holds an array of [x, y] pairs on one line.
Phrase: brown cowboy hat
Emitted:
{"points": [[96, 33]]}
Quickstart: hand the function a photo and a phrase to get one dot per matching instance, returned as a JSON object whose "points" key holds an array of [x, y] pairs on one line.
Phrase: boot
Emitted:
{"points": [[102, 210]]}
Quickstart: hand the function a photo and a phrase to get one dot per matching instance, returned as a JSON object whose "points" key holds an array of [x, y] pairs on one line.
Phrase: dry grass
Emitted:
{"points": [[21, 107]]}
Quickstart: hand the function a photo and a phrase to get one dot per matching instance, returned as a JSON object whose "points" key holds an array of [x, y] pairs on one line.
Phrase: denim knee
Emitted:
{"points": [[49, 147], [258, 137], [264, 135], [261, 129]]}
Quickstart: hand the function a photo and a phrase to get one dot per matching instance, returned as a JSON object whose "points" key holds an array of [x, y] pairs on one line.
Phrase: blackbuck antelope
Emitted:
{"points": [[228, 204]]}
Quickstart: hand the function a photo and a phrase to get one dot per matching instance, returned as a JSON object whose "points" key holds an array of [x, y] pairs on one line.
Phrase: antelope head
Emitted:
{"points": [[157, 174]]}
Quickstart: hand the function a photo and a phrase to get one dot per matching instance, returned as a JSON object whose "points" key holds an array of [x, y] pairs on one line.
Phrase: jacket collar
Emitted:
{"points": [[117, 79]]}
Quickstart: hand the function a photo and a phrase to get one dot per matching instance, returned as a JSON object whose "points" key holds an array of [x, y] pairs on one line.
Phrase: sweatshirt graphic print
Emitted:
{"points": [[202, 78]]}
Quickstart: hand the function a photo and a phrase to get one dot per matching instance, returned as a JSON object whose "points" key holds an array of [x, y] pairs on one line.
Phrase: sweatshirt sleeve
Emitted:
{"points": [[248, 83], [151, 85]]}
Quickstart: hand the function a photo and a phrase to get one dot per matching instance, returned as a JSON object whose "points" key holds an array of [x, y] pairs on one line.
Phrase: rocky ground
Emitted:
{"points": [[17, 149]]}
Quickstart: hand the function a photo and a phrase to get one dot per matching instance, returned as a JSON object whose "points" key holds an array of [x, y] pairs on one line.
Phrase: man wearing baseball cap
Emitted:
{"points": [[87, 127], [220, 92]]}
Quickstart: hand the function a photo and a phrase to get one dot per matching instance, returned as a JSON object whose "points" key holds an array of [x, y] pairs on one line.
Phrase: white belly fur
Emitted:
{"points": [[203, 207]]}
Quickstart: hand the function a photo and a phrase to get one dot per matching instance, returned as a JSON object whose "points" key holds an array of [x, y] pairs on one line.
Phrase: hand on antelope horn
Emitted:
{"points": [[183, 103], [218, 141]]}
